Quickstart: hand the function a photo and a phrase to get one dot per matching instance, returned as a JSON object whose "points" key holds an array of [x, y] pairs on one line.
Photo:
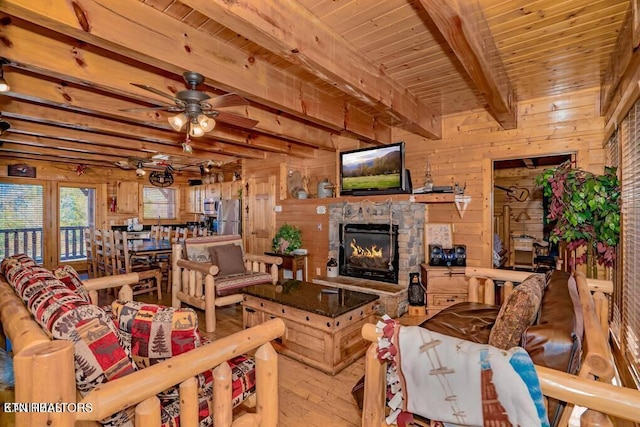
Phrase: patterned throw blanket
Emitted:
{"points": [[458, 382]]}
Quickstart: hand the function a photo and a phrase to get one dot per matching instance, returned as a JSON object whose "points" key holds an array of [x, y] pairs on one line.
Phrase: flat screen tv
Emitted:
{"points": [[374, 170]]}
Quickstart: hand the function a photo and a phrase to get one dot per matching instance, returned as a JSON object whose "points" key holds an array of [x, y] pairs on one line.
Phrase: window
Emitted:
{"points": [[629, 303], [159, 203], [21, 220], [77, 212]]}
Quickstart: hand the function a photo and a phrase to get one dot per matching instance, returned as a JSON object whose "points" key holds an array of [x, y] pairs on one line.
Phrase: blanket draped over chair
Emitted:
{"points": [[457, 382]]}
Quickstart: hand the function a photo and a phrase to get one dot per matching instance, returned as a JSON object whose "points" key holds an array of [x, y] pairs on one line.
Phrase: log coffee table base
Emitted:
{"points": [[323, 324]]}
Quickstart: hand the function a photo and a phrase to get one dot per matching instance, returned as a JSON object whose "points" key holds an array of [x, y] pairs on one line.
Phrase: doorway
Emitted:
{"points": [[520, 230]]}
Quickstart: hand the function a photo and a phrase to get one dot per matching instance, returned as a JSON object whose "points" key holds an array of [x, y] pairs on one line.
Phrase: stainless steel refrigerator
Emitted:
{"points": [[229, 218]]}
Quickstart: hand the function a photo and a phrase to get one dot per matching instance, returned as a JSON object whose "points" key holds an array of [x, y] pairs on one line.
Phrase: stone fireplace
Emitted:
{"points": [[397, 225]]}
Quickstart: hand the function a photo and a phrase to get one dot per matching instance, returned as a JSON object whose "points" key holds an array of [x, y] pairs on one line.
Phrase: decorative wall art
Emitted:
{"points": [[22, 170], [438, 234]]}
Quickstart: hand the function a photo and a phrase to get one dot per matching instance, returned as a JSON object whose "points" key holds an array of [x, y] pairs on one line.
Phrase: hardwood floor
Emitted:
{"points": [[307, 396]]}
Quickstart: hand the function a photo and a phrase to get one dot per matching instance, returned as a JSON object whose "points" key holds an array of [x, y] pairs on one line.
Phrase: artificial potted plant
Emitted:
{"points": [[287, 239], [586, 208]]}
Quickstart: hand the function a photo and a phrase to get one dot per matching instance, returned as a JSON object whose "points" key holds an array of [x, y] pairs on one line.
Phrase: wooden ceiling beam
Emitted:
{"points": [[70, 96], [292, 32], [35, 144], [67, 59], [149, 36], [467, 32], [16, 109], [43, 158], [105, 142]]}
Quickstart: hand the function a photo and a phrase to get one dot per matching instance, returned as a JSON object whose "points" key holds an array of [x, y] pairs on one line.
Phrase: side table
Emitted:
{"points": [[292, 262]]}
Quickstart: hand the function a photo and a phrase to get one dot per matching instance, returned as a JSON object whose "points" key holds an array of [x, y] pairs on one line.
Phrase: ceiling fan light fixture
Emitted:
{"points": [[140, 171], [178, 121], [206, 123], [195, 130]]}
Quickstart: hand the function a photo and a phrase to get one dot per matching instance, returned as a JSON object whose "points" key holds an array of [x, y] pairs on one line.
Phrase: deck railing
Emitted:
{"points": [[29, 241]]}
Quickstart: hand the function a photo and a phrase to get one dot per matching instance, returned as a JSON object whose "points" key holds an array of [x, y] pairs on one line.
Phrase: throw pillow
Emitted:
{"points": [[230, 260], [516, 314], [212, 252], [69, 276], [154, 332]]}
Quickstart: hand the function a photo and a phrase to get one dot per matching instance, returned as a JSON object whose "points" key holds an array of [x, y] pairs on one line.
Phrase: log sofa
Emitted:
{"points": [[208, 272], [566, 342], [142, 364]]}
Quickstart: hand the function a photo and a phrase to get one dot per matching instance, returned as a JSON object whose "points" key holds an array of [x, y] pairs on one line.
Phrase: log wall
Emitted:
{"points": [[564, 124], [471, 142]]}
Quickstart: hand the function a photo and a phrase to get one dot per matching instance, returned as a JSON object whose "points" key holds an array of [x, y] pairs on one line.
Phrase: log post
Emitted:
{"points": [[125, 293], [209, 303], [44, 373], [507, 288], [474, 285], [374, 389], [148, 413], [602, 310], [191, 290], [267, 385], [489, 292], [222, 396], [189, 403]]}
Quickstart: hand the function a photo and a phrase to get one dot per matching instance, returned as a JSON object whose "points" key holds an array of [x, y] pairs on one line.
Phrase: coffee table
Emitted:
{"points": [[323, 323]]}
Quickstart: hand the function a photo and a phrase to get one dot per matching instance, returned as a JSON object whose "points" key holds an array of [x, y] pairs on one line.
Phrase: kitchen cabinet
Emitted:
{"points": [[127, 197], [195, 199], [445, 286]]}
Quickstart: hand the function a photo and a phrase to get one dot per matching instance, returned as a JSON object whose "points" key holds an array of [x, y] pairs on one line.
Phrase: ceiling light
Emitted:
{"points": [[206, 123], [140, 171], [4, 86], [203, 171], [178, 121], [195, 130]]}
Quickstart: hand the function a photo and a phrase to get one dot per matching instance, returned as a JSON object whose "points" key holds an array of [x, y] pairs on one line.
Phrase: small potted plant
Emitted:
{"points": [[287, 239]]}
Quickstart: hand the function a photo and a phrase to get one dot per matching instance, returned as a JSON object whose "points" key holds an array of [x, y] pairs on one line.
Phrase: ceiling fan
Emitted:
{"points": [[197, 111]]}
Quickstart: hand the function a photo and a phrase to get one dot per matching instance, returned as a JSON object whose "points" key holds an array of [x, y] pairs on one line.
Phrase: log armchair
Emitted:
{"points": [[209, 272]]}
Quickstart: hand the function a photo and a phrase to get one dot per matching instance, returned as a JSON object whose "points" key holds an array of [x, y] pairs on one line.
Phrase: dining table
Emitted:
{"points": [[149, 247]]}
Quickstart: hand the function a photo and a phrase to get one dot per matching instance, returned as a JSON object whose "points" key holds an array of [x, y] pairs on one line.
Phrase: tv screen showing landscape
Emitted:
{"points": [[378, 169]]}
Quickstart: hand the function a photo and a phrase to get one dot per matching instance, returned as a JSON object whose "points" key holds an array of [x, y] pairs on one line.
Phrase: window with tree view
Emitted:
{"points": [[77, 212], [159, 203], [21, 220]]}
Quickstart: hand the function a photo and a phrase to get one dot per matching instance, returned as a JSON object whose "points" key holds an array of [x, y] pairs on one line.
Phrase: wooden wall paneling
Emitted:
{"points": [[473, 140]]}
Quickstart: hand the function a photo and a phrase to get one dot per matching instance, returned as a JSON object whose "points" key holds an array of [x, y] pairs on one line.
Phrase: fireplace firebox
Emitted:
{"points": [[369, 251]]}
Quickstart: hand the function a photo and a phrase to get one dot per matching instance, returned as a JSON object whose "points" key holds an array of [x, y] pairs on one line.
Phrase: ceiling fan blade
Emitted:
{"points": [[156, 91], [228, 100], [236, 120]]}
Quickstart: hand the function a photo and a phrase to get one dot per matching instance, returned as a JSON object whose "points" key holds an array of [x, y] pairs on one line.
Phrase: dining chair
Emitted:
{"points": [[98, 243], [108, 252], [180, 234], [90, 250], [146, 273]]}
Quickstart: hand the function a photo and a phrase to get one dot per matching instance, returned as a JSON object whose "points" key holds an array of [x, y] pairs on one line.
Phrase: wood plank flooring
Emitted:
{"points": [[307, 396]]}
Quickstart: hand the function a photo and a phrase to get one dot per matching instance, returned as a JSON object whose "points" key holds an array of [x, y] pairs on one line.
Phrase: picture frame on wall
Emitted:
{"points": [[438, 234], [21, 170]]}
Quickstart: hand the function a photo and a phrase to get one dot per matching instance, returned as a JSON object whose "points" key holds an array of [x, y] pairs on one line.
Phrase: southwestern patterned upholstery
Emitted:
{"points": [[107, 348]]}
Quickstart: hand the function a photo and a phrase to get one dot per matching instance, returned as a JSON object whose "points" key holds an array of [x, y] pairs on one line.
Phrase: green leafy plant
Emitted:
{"points": [[587, 210], [287, 239]]}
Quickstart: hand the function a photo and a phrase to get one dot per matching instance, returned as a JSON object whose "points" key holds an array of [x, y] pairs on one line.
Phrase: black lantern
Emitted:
{"points": [[416, 291]]}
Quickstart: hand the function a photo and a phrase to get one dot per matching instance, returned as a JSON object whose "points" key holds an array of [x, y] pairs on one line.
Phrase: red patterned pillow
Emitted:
{"points": [[69, 276], [155, 332], [19, 260]]}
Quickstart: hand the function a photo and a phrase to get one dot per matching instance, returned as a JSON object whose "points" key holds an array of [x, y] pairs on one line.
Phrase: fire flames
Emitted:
{"points": [[360, 252]]}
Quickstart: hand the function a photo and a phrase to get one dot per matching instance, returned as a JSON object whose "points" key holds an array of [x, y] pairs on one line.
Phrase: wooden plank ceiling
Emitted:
{"points": [[312, 70]]}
